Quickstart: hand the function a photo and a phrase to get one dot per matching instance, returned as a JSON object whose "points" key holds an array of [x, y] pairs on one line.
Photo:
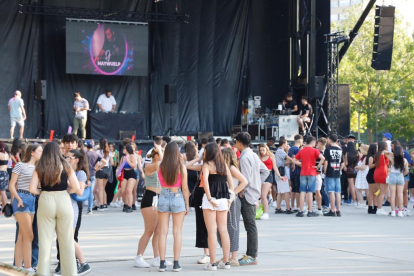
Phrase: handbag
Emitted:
{"points": [[281, 170], [84, 196], [8, 210]]}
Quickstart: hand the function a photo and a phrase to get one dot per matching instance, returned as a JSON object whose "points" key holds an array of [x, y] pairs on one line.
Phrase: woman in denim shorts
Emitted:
{"points": [[4, 175], [173, 199], [398, 169], [24, 205]]}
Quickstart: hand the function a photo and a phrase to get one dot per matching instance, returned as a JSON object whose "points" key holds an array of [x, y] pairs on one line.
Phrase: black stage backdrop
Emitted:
{"points": [[229, 50]]}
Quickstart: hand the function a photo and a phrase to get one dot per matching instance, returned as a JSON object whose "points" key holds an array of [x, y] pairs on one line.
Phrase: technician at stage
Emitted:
{"points": [[80, 107], [290, 103], [106, 102], [17, 113]]}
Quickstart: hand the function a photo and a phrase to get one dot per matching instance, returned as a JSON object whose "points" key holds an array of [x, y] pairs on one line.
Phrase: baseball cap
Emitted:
{"points": [[89, 144], [388, 136], [351, 136]]}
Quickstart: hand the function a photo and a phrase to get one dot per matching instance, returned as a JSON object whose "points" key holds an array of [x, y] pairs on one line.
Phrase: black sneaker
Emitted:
{"points": [[289, 212], [125, 208], [95, 208], [177, 267], [338, 213], [300, 214], [163, 266], [105, 207], [128, 210], [57, 269], [84, 269], [280, 211], [386, 204], [312, 214], [134, 207], [101, 208], [89, 212], [330, 214]]}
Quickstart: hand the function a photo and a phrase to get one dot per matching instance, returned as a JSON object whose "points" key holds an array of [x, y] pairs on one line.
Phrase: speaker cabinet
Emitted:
{"points": [[316, 87], [344, 110], [383, 37], [122, 134], [170, 91], [40, 90]]}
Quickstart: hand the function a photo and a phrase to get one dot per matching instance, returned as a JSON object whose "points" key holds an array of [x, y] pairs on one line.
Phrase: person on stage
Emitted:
{"points": [[290, 103], [304, 114], [17, 113], [80, 107], [106, 102]]}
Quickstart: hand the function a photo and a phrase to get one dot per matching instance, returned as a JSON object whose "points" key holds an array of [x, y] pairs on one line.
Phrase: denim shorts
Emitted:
{"points": [[407, 177], [396, 179], [171, 202], [307, 183], [28, 202], [333, 184]]}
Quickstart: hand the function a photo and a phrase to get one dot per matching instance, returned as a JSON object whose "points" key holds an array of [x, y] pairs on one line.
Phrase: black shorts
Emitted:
{"points": [[411, 182], [269, 179], [147, 199], [295, 183], [130, 174], [103, 173]]}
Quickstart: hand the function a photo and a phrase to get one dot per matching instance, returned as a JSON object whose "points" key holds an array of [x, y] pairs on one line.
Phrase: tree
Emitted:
{"points": [[385, 99]]}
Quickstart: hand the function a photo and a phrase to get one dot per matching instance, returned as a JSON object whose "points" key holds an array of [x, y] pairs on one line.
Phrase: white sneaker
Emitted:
{"points": [[273, 204], [192, 209], [204, 260], [29, 270], [114, 205], [156, 262], [361, 206], [140, 262], [136, 203], [224, 265], [406, 212], [319, 212], [381, 212], [412, 199], [283, 203], [212, 267], [264, 216], [393, 213], [400, 214], [120, 204]]}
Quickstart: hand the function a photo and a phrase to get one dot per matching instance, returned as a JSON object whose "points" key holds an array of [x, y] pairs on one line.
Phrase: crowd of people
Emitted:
{"points": [[223, 182]]}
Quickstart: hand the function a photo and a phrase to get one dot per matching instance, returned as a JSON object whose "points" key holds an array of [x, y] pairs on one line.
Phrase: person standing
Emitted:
{"points": [[4, 175], [255, 172], [295, 172], [106, 102], [80, 107], [380, 175], [93, 158], [17, 113]]}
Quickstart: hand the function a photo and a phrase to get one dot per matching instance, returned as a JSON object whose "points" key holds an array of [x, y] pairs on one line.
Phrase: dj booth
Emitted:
{"points": [[113, 126]]}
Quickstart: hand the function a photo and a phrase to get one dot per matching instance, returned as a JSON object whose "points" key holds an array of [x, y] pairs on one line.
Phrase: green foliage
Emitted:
{"points": [[385, 99]]}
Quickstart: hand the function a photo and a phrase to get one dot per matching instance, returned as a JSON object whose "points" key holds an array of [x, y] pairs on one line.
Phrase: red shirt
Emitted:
{"points": [[307, 157]]}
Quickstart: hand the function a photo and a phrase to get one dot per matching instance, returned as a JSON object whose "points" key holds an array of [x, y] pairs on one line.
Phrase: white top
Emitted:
{"points": [[110, 155], [83, 103], [15, 107], [106, 103], [24, 172], [388, 145], [394, 170]]}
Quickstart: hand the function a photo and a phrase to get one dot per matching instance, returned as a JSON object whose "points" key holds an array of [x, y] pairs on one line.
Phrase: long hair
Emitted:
{"points": [[2, 147], [28, 154], [230, 157], [213, 155], [190, 151], [83, 164], [50, 166], [352, 155], [103, 146], [399, 158], [262, 145], [372, 150], [15, 146], [381, 147], [171, 163]]}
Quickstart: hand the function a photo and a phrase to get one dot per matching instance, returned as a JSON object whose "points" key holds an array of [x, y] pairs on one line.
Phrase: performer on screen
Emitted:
{"points": [[113, 49], [106, 102], [80, 107], [17, 113], [290, 103]]}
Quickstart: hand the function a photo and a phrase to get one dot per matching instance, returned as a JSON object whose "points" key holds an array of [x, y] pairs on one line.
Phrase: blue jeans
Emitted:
{"points": [[325, 197], [90, 201], [307, 183]]}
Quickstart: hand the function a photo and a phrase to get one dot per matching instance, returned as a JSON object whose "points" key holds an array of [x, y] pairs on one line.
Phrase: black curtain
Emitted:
{"points": [[228, 51]]}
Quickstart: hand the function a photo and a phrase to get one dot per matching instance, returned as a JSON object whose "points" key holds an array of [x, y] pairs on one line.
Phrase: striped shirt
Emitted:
{"points": [[25, 173]]}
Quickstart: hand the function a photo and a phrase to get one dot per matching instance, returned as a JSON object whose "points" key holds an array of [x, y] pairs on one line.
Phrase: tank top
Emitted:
{"points": [[62, 186], [218, 186], [268, 163], [394, 170], [152, 180], [4, 162], [165, 185]]}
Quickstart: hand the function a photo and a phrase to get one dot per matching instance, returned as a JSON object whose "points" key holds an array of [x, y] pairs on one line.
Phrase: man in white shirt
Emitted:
{"points": [[106, 102], [80, 107], [17, 113]]}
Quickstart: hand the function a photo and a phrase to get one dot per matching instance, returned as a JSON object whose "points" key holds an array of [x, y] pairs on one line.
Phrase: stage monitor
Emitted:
{"points": [[106, 48]]}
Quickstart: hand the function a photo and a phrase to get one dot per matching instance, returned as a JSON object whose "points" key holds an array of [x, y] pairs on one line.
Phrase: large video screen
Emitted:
{"points": [[106, 49]]}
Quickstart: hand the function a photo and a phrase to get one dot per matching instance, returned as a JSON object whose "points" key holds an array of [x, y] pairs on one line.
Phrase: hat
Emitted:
{"points": [[388, 136], [351, 136], [89, 144], [364, 149]]}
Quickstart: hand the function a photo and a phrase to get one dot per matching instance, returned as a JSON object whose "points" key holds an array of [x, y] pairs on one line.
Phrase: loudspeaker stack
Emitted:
{"points": [[383, 37]]}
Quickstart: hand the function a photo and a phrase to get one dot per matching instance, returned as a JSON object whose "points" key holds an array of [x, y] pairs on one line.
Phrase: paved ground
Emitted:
{"points": [[356, 243]]}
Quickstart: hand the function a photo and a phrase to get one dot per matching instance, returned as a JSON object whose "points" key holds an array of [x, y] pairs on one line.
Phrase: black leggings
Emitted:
{"points": [[201, 230]]}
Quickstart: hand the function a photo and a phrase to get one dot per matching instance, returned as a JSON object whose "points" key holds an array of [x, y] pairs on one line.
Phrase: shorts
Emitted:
{"points": [[287, 172], [350, 172], [333, 184], [223, 203], [396, 179], [171, 202], [295, 182], [14, 120], [28, 202], [305, 119], [318, 184], [407, 177], [130, 174], [75, 212], [4, 180], [282, 186], [103, 173], [137, 172], [411, 183], [269, 179], [307, 183], [147, 199]]}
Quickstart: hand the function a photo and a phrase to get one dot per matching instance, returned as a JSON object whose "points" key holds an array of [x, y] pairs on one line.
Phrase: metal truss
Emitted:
{"points": [[333, 80]]}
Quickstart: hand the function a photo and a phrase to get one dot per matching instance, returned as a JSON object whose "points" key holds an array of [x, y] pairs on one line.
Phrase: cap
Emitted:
{"points": [[351, 136], [89, 144], [388, 136]]}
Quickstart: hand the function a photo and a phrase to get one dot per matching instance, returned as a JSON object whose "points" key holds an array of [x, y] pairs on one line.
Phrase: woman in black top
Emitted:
{"points": [[351, 161], [373, 187], [54, 179]]}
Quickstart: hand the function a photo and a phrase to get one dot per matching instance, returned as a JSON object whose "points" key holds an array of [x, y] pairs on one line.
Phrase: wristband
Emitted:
{"points": [[209, 199]]}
